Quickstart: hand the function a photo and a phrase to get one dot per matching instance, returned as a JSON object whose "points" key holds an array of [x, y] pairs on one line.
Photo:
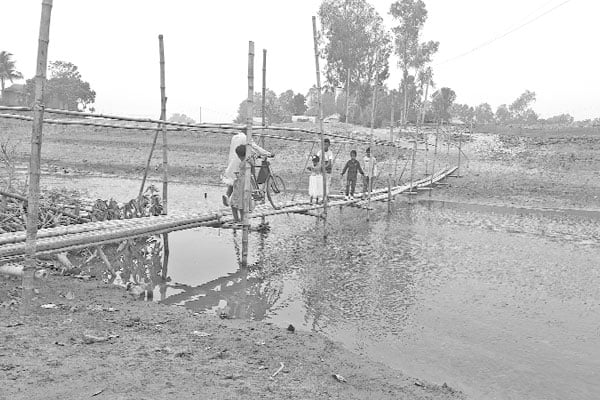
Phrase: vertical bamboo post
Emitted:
{"points": [[36, 155], [264, 91], [437, 131], [165, 163], [371, 163], [247, 187], [392, 117], [425, 101], [448, 148], [389, 192], [263, 107], [163, 117], [320, 117], [426, 138], [347, 95], [412, 166]]}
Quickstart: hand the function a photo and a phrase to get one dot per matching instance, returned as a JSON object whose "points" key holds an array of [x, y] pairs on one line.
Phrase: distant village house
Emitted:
{"points": [[15, 96]]}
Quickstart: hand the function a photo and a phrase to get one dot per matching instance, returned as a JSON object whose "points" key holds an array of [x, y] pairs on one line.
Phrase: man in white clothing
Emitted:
{"points": [[233, 163]]}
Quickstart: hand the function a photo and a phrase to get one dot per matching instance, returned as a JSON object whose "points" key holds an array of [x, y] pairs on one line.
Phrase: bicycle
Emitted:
{"points": [[267, 183]]}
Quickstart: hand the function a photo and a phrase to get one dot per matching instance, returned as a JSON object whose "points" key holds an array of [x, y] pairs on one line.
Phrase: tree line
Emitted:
{"points": [[357, 46], [65, 88]]}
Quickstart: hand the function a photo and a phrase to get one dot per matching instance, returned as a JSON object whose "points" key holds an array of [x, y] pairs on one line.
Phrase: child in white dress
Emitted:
{"points": [[315, 182]]}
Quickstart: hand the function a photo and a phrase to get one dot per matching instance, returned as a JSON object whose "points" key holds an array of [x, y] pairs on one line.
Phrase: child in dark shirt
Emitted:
{"points": [[353, 167]]}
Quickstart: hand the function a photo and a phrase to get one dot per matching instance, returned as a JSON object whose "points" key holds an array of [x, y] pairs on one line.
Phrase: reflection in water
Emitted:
{"points": [[242, 294], [501, 303]]}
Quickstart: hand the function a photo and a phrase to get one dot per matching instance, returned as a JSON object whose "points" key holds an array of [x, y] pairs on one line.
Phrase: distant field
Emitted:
{"points": [[193, 157]]}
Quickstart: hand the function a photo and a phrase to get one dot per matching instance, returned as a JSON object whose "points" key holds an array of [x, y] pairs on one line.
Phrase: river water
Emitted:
{"points": [[501, 303]]}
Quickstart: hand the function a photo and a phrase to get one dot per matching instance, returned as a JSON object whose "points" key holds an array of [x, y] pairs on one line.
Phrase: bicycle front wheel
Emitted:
{"points": [[276, 192]]}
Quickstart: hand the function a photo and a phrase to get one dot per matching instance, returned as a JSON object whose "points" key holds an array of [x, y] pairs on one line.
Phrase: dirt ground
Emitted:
{"points": [[166, 352], [161, 352]]}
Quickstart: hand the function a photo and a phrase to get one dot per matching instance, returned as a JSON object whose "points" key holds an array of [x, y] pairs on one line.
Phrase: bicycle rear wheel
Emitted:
{"points": [[276, 191]]}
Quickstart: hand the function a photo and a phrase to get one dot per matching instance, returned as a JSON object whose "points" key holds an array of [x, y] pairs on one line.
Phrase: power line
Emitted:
{"points": [[490, 41]]}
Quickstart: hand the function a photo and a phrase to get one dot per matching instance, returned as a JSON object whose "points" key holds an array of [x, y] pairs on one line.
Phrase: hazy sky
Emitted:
{"points": [[115, 45]]}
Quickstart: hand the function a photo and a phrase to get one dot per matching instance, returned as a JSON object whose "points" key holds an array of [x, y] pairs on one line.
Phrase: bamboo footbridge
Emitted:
{"points": [[34, 242], [74, 237]]}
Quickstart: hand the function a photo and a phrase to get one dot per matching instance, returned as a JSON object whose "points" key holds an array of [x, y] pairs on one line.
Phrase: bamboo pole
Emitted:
{"points": [[35, 158], [204, 128], [392, 118], [437, 131], [147, 166], [163, 118], [425, 101], [371, 163], [264, 91], [412, 165], [263, 106], [320, 117], [165, 148], [347, 95], [130, 119], [389, 193], [247, 189]]}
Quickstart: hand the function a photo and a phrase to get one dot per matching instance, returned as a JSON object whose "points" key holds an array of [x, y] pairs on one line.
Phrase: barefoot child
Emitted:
{"points": [[237, 205], [315, 182], [353, 167]]}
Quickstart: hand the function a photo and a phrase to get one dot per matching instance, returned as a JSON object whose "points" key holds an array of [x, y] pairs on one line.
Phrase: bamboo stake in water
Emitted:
{"points": [[371, 163], [165, 163], [247, 189], [36, 155], [320, 117], [163, 117]]}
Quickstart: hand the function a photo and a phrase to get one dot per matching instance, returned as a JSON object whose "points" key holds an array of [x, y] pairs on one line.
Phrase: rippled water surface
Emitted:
{"points": [[501, 303]]}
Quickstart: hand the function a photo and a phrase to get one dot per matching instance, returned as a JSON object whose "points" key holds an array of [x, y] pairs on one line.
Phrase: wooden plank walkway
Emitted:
{"points": [[74, 237]]}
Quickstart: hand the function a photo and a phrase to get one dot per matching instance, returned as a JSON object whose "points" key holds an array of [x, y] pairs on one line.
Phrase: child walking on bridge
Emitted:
{"points": [[315, 182], [353, 167]]}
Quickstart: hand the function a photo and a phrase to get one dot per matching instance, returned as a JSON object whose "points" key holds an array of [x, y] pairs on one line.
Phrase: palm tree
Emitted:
{"points": [[7, 69]]}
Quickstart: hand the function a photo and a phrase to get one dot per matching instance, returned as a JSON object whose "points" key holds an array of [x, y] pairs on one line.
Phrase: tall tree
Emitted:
{"points": [[425, 78], [561, 119], [286, 101], [356, 46], [502, 114], [410, 16], [274, 113], [521, 110], [441, 102], [65, 89], [463, 112], [299, 104], [8, 70], [484, 114]]}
